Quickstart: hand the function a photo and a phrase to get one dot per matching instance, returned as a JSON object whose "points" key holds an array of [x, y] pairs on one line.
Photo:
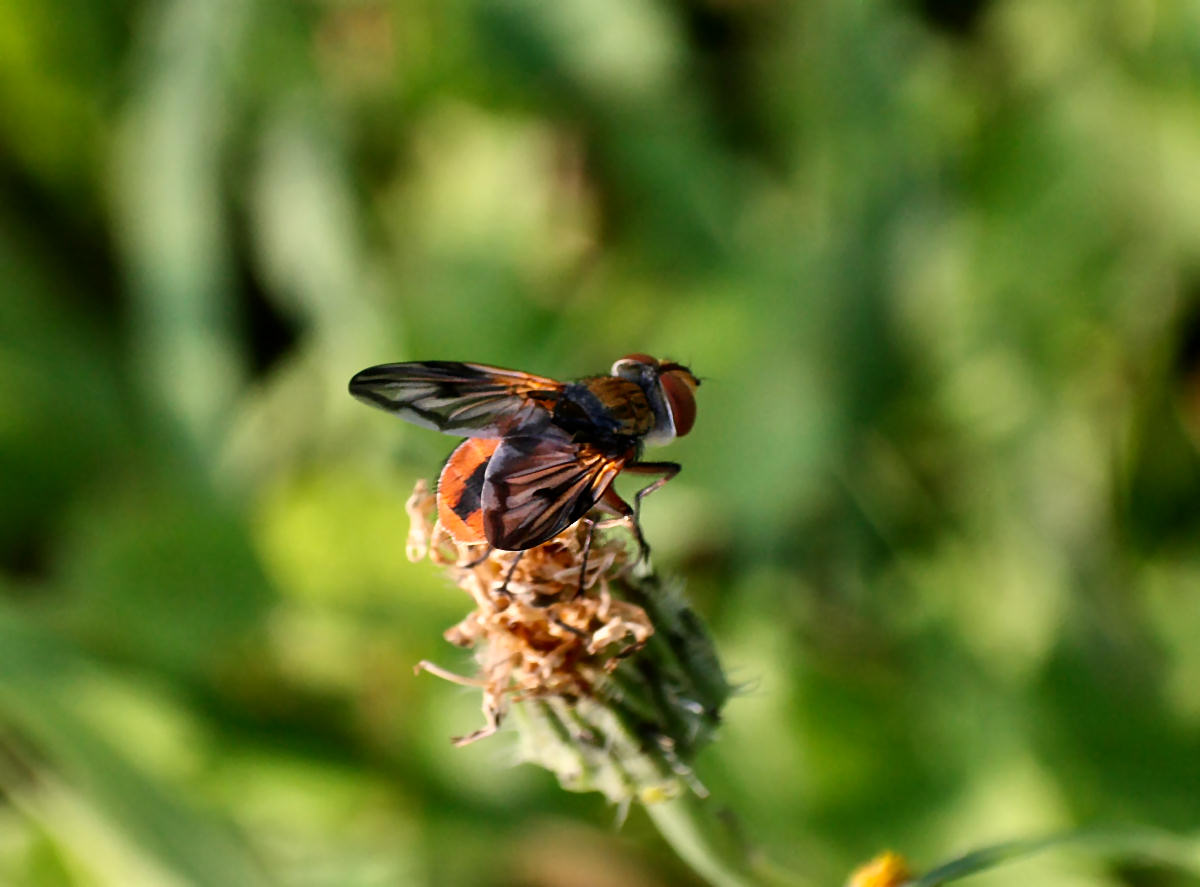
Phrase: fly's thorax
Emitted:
{"points": [[604, 407]]}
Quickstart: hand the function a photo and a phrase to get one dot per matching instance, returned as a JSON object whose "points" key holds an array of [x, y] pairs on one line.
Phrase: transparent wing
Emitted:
{"points": [[538, 485], [468, 399]]}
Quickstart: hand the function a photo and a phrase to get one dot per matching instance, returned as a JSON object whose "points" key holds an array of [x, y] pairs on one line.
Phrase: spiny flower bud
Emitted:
{"points": [[613, 680]]}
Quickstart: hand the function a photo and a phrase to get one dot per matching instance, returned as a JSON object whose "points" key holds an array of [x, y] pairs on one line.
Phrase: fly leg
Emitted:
{"points": [[471, 564], [610, 498], [487, 552], [590, 526], [512, 568], [612, 501]]}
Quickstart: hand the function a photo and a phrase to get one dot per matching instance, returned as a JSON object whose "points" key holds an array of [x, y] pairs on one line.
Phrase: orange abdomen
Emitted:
{"points": [[460, 486]]}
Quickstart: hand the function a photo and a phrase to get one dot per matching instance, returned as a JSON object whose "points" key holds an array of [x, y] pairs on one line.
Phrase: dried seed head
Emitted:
{"points": [[615, 679]]}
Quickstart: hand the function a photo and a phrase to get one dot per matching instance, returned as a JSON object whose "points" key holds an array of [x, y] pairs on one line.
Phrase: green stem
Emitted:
{"points": [[713, 849], [1144, 843]]}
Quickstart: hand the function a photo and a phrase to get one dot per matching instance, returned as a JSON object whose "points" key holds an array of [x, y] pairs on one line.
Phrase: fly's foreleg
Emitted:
{"points": [[668, 470], [610, 498]]}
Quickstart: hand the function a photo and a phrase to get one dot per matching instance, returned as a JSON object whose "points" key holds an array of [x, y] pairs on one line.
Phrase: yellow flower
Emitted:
{"points": [[888, 869]]}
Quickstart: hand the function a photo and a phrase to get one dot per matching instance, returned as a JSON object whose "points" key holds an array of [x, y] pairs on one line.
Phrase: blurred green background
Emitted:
{"points": [[937, 262]]}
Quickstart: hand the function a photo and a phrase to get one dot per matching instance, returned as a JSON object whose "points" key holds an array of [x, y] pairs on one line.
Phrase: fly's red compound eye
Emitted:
{"points": [[641, 358], [677, 387]]}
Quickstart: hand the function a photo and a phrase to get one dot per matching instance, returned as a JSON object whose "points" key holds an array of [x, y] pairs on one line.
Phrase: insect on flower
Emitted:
{"points": [[540, 453]]}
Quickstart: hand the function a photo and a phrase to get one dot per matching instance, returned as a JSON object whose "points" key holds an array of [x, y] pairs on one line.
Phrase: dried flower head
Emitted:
{"points": [[614, 677]]}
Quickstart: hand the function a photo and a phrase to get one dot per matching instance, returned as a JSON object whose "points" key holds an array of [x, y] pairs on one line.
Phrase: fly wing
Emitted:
{"points": [[538, 485], [468, 399]]}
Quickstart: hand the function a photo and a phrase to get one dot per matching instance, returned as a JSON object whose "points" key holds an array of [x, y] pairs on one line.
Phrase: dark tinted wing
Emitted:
{"points": [[538, 485], [459, 398]]}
